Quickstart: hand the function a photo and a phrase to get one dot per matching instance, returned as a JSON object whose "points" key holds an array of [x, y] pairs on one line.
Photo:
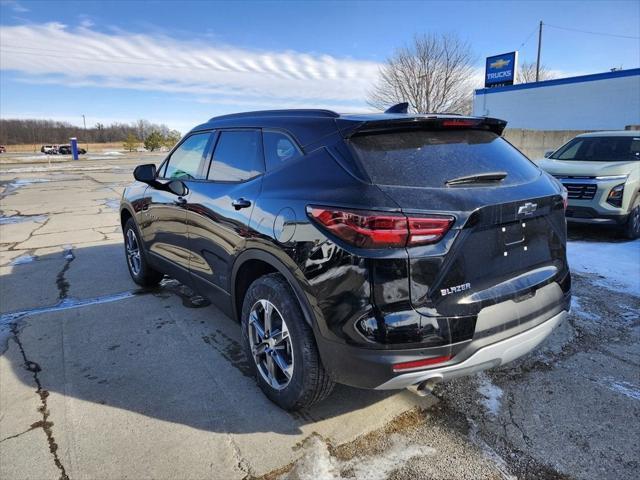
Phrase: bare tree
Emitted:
{"points": [[434, 74], [20, 131], [527, 73]]}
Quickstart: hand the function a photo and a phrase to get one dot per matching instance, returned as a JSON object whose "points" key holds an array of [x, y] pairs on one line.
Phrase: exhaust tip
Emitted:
{"points": [[425, 387]]}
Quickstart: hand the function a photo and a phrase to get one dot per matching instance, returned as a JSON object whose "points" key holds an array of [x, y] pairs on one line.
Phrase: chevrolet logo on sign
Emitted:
{"points": [[500, 63]]}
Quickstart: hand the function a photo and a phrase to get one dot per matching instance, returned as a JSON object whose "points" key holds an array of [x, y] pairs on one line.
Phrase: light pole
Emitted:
{"points": [[86, 141], [539, 48]]}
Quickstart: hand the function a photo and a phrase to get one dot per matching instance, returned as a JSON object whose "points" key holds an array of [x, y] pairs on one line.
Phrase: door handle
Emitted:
{"points": [[240, 203], [180, 201]]}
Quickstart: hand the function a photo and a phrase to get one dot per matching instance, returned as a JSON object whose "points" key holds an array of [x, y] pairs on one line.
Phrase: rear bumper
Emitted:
{"points": [[503, 332], [490, 356]]}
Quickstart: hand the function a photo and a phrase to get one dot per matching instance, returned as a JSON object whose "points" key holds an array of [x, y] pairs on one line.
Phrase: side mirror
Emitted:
{"points": [[145, 173], [548, 153], [177, 187]]}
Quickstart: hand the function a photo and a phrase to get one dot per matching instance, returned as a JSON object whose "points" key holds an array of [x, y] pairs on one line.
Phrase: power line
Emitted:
{"points": [[529, 37], [606, 34]]}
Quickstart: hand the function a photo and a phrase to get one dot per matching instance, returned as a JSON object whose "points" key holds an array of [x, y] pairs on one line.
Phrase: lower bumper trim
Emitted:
{"points": [[490, 356]]}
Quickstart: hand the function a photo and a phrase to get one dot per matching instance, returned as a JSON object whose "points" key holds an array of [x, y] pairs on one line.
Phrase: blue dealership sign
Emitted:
{"points": [[501, 70]]}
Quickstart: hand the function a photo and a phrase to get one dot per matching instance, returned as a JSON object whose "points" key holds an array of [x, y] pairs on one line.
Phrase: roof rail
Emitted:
{"points": [[310, 112]]}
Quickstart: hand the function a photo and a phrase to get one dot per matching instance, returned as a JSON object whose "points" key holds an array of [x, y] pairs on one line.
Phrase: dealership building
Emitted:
{"points": [[602, 101]]}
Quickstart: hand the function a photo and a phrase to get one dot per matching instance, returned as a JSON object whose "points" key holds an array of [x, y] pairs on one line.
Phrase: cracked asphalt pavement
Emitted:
{"points": [[102, 380]]}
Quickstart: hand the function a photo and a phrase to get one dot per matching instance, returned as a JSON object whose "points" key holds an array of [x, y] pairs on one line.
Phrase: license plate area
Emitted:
{"points": [[513, 236]]}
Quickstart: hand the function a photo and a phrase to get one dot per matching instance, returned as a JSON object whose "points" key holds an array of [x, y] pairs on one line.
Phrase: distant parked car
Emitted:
{"points": [[601, 171], [66, 150], [49, 149], [3, 149]]}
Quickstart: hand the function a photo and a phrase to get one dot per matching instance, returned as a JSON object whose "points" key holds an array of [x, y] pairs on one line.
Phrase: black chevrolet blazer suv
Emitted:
{"points": [[381, 251]]}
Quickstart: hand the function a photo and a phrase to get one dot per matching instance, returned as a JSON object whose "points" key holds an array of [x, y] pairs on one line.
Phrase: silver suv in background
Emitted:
{"points": [[601, 172]]}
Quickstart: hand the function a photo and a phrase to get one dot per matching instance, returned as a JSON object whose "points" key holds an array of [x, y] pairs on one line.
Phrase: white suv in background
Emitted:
{"points": [[601, 172]]}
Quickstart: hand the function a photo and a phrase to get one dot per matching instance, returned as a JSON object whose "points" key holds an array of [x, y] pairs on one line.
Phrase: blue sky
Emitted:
{"points": [[182, 62]]}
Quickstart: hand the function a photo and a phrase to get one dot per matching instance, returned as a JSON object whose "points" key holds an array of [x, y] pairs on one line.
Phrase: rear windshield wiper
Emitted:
{"points": [[477, 178]]}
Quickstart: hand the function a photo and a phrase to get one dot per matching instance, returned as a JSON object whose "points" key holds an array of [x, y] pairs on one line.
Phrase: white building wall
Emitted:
{"points": [[603, 104]]}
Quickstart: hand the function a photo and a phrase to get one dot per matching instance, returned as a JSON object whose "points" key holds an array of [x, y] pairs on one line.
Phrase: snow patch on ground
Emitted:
{"points": [[23, 182], [615, 265], [317, 463], [112, 153], [625, 388], [579, 310], [53, 168], [13, 219], [492, 394], [23, 260]]}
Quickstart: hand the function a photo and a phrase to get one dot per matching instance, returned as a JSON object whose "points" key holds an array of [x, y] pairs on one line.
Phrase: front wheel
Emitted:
{"points": [[139, 269], [280, 345], [632, 227]]}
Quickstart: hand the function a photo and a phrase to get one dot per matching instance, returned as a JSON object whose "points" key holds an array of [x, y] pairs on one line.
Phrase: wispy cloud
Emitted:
{"points": [[14, 5], [55, 53]]}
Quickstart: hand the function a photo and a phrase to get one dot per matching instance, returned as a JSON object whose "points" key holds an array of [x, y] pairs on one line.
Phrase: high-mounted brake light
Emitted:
{"points": [[366, 229], [460, 123], [426, 362]]}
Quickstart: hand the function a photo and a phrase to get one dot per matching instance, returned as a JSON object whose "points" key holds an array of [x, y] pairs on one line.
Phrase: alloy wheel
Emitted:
{"points": [[133, 252], [270, 344]]}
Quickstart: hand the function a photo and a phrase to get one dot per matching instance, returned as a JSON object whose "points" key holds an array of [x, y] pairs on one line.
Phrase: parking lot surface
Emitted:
{"points": [[101, 380]]}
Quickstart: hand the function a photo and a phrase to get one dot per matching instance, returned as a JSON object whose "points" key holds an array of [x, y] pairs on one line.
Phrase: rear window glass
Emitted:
{"points": [[426, 158]]}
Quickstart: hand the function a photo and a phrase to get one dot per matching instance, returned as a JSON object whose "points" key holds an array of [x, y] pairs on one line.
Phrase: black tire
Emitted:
{"points": [[632, 227], [309, 382], [141, 272]]}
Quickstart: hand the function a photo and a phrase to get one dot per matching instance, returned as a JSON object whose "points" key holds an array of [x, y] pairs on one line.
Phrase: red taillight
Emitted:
{"points": [[398, 367], [380, 230], [565, 198], [424, 230]]}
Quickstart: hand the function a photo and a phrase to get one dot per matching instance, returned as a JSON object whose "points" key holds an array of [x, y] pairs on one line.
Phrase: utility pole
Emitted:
{"points": [[86, 140], [539, 48]]}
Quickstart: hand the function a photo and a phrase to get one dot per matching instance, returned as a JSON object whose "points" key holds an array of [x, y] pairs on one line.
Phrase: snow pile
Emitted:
{"points": [[317, 463], [616, 265], [112, 153], [491, 393]]}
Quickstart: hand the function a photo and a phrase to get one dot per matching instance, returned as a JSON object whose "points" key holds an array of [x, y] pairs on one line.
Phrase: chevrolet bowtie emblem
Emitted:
{"points": [[500, 63], [527, 209]]}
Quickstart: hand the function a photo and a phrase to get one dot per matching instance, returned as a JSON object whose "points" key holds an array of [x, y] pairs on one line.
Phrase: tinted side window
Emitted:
{"points": [[430, 158], [237, 157], [278, 148], [184, 163]]}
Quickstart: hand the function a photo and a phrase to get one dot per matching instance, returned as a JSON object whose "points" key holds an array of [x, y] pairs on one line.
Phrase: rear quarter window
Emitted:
{"points": [[425, 158]]}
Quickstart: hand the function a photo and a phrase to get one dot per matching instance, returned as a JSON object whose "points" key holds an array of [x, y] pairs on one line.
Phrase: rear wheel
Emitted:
{"points": [[632, 227], [139, 269], [280, 345]]}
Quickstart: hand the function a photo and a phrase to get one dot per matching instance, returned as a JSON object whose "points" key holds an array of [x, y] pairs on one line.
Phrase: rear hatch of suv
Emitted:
{"points": [[508, 236]]}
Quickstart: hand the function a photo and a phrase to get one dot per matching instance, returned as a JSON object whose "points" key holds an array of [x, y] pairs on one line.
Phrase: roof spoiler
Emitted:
{"points": [[402, 107], [434, 122]]}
